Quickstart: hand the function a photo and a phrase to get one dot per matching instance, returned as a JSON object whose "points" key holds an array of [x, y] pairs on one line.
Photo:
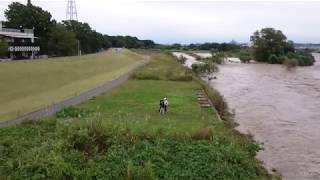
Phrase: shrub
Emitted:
{"points": [[303, 57], [218, 57], [182, 59], [196, 68], [90, 139], [140, 172], [273, 59], [204, 68], [202, 134], [305, 60], [291, 55], [282, 59], [245, 57], [290, 64]]}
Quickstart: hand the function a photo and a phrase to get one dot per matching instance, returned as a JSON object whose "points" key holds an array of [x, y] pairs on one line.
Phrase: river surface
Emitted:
{"points": [[281, 109], [189, 59]]}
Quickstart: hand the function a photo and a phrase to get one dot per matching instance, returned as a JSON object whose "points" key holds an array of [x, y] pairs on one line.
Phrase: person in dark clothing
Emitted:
{"points": [[162, 107]]}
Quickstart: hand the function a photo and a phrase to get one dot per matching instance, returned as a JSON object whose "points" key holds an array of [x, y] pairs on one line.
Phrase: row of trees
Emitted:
{"points": [[205, 46], [67, 37]]}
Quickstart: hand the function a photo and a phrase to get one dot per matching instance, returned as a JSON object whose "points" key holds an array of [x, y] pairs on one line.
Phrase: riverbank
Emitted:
{"points": [[122, 135]]}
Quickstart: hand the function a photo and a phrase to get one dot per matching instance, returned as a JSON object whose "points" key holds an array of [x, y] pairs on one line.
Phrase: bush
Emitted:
{"points": [[303, 57], [290, 64], [245, 57], [90, 139], [203, 134], [282, 59], [305, 60], [273, 59], [182, 59], [196, 68], [218, 57], [204, 68], [140, 172]]}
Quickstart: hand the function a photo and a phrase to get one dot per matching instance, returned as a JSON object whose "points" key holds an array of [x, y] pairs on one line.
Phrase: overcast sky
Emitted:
{"points": [[184, 21]]}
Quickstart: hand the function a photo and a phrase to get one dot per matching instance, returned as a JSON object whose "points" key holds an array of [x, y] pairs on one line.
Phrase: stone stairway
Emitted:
{"points": [[203, 100]]}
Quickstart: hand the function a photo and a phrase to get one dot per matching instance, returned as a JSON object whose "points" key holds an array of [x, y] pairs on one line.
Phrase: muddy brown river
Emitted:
{"points": [[281, 109]]}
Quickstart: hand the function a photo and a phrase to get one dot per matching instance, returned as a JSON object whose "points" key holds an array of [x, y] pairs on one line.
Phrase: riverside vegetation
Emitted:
{"points": [[121, 135]]}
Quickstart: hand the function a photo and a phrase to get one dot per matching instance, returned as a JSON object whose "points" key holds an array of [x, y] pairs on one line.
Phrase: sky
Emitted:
{"points": [[187, 21]]}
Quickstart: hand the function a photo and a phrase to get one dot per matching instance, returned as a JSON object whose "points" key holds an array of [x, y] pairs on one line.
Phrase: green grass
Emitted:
{"points": [[29, 85], [135, 106], [163, 68], [121, 135]]}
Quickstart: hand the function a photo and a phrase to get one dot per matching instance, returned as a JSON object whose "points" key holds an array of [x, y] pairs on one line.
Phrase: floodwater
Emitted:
{"points": [[281, 109], [204, 55], [189, 59]]}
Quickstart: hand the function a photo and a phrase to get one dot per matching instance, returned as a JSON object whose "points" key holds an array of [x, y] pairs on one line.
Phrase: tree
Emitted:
{"points": [[3, 47], [269, 41], [61, 41], [87, 37], [31, 17]]}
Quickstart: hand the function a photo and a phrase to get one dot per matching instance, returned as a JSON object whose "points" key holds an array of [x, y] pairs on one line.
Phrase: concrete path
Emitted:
{"points": [[52, 109]]}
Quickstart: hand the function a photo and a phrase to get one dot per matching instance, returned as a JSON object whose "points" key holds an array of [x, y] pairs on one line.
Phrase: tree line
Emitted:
{"points": [[66, 37], [205, 46]]}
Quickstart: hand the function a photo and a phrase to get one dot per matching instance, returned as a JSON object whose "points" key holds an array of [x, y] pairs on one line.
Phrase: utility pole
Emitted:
{"points": [[29, 2], [78, 48], [72, 14]]}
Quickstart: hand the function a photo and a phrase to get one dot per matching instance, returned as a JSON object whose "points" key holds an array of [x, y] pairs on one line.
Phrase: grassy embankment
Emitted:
{"points": [[120, 135], [29, 85]]}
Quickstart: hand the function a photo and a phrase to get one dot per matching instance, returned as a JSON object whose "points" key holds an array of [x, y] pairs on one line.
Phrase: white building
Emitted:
{"points": [[21, 42]]}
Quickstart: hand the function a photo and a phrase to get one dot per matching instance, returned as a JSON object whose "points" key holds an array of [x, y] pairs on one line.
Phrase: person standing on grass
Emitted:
{"points": [[162, 107], [166, 104]]}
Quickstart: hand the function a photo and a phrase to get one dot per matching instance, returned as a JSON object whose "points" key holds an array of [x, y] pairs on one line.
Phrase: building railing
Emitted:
{"points": [[10, 30], [27, 31]]}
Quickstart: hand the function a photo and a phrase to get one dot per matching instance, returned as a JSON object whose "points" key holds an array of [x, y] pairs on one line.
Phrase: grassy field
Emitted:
{"points": [[121, 135], [29, 85]]}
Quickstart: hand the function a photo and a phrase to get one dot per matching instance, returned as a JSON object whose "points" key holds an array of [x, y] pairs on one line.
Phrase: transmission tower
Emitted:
{"points": [[72, 11]]}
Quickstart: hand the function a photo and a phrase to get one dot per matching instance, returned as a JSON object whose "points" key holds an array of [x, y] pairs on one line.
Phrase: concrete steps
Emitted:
{"points": [[203, 99]]}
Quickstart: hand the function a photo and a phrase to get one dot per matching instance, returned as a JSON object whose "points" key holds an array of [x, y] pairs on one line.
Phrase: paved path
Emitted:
{"points": [[52, 109]]}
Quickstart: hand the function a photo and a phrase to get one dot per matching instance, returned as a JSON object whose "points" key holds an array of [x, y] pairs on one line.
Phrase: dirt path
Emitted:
{"points": [[52, 109]]}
